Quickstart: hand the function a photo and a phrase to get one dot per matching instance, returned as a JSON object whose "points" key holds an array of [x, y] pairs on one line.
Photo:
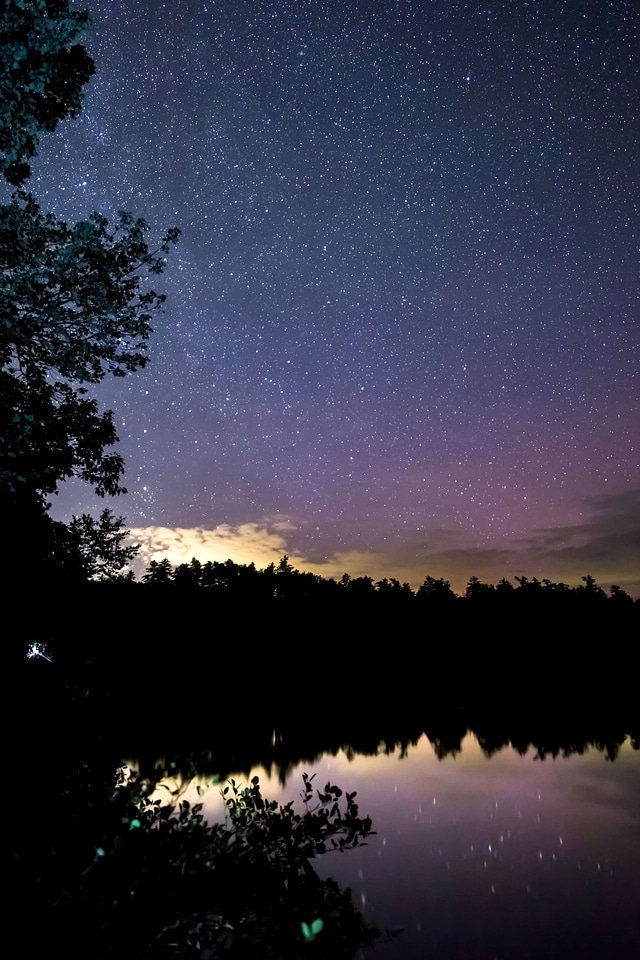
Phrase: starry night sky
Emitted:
{"points": [[402, 334]]}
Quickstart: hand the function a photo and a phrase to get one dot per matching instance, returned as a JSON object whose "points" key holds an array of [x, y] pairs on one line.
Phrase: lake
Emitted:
{"points": [[506, 857]]}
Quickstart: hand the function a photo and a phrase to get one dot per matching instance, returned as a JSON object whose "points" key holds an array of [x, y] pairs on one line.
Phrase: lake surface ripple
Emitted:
{"points": [[507, 857]]}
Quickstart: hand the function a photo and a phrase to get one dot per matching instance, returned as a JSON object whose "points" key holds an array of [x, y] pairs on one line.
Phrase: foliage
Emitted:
{"points": [[436, 590], [287, 839], [50, 432], [73, 308], [168, 884], [284, 581], [94, 549], [158, 572], [71, 297], [74, 305], [42, 72]]}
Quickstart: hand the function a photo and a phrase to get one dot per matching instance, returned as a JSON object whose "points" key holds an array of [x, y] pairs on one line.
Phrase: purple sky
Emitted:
{"points": [[402, 329]]}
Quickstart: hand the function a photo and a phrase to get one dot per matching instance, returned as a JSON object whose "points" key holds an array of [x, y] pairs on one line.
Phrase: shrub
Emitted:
{"points": [[165, 883]]}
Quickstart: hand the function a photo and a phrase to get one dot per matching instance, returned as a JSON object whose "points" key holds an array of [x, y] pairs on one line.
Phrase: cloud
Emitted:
{"points": [[606, 546], [259, 543]]}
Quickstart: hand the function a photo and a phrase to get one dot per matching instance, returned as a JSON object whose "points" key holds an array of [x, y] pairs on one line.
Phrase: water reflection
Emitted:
{"points": [[500, 858]]}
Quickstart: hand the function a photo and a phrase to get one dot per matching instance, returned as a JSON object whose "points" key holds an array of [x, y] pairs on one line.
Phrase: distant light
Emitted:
{"points": [[38, 650]]}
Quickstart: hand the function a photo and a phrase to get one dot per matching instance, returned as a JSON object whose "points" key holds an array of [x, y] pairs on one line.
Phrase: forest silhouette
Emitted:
{"points": [[536, 649], [218, 666]]}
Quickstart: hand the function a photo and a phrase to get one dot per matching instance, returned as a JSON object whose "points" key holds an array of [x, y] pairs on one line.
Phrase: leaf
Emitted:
{"points": [[311, 932]]}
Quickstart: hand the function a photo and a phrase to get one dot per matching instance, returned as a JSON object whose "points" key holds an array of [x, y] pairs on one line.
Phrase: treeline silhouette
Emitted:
{"points": [[165, 730], [284, 581], [221, 668], [200, 644]]}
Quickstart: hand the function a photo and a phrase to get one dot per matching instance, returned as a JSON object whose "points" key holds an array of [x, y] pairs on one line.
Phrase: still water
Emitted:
{"points": [[501, 858]]}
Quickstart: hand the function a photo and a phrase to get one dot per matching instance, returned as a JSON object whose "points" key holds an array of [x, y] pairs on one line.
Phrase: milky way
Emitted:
{"points": [[403, 315]]}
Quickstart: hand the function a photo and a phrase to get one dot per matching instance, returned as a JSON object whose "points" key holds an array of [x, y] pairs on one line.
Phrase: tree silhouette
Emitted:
{"points": [[74, 309], [42, 72], [436, 590], [74, 300], [92, 549]]}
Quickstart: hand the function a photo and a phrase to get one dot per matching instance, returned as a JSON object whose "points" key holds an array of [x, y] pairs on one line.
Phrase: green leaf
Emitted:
{"points": [[311, 932]]}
